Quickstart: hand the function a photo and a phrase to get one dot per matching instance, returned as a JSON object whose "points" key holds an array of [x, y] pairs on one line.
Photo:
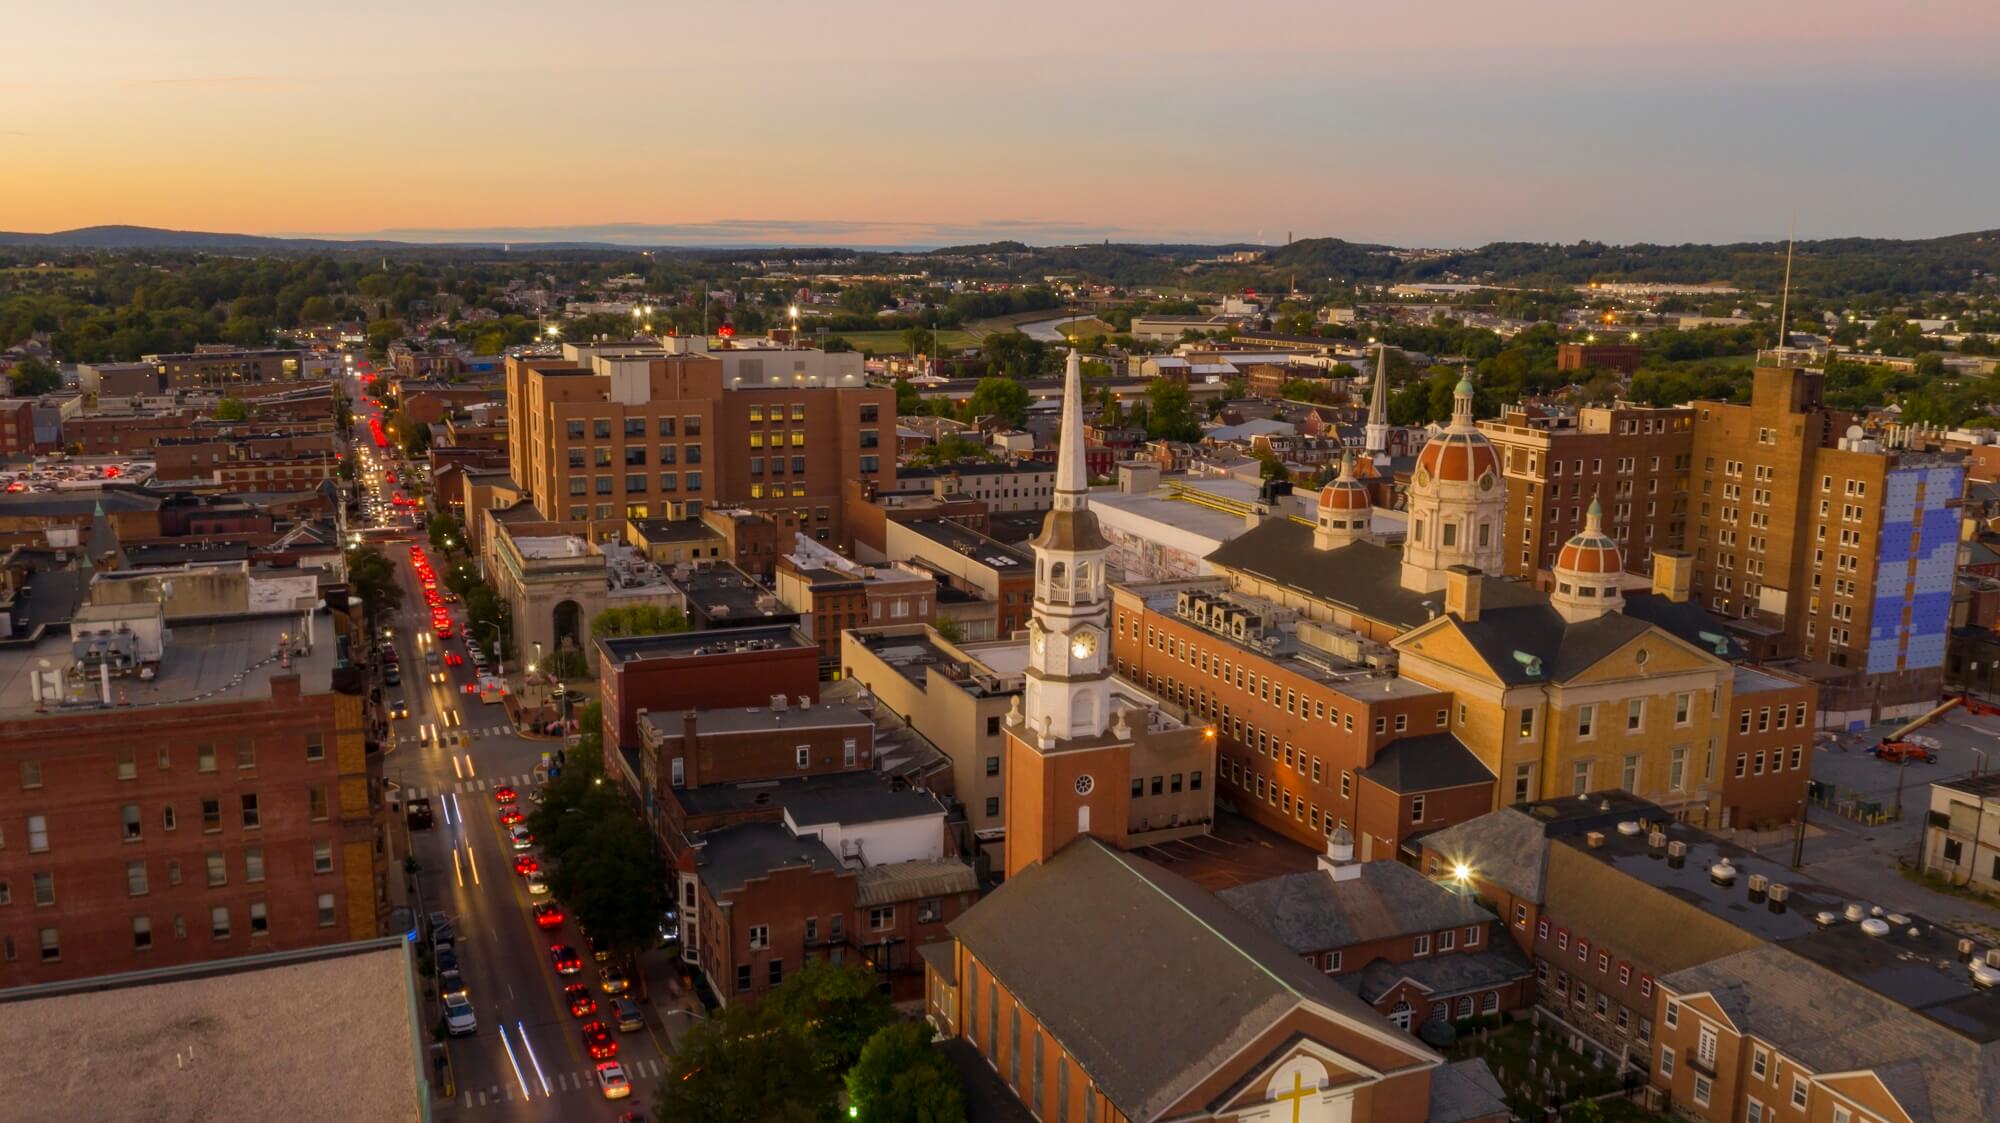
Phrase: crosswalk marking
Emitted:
{"points": [[462, 787]]}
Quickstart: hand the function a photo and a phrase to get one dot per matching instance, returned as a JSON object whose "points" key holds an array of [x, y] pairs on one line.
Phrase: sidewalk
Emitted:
{"points": [[675, 1007]]}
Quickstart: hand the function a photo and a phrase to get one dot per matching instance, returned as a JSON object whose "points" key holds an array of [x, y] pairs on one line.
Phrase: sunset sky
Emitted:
{"points": [[876, 122]]}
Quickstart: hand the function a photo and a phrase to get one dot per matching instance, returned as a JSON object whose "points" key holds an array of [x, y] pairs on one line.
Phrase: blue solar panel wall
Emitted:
{"points": [[1914, 509]]}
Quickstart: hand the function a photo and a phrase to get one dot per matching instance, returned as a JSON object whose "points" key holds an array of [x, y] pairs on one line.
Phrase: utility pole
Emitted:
{"points": [[1799, 836]]}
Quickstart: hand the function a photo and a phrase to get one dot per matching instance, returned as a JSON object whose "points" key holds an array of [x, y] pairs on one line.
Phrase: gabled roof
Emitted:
{"points": [[1311, 912], [1505, 847], [1833, 1025], [1148, 981], [1532, 643], [1444, 975], [1688, 622], [1426, 763]]}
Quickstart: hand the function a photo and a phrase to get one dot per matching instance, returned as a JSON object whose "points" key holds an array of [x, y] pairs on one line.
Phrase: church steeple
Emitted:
{"points": [[1069, 676], [1376, 442]]}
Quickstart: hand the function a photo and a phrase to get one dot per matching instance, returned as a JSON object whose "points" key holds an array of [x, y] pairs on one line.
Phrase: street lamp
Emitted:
{"points": [[499, 667]]}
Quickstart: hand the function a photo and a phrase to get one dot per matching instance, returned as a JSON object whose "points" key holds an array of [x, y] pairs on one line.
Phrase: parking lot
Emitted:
{"points": [[1866, 858]]}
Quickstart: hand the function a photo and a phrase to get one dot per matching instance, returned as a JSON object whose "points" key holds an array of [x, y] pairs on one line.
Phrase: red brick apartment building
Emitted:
{"points": [[1768, 754], [699, 670], [195, 816], [1309, 740]]}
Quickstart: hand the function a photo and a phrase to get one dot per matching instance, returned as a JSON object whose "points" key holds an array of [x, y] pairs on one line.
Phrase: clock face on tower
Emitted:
{"points": [[1083, 644], [1084, 784]]}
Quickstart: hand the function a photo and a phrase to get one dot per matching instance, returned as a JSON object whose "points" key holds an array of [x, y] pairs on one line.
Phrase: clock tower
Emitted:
{"points": [[1078, 739], [1069, 643]]}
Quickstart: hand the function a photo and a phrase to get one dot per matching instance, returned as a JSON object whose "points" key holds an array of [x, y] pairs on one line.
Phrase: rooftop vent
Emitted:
{"points": [[1875, 926], [1984, 976], [1854, 912], [1758, 884], [1656, 841], [1964, 949], [1722, 873], [1595, 839], [1677, 852], [1778, 895], [1629, 827], [1826, 919]]}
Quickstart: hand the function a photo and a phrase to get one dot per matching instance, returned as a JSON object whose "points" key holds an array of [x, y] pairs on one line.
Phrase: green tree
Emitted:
{"points": [[1015, 353], [951, 448], [839, 1007], [908, 401], [33, 377], [744, 1065], [232, 409], [638, 620], [415, 439], [902, 1078], [1001, 397], [443, 528], [1307, 390], [1170, 412], [381, 333], [372, 577], [316, 310], [951, 631]]}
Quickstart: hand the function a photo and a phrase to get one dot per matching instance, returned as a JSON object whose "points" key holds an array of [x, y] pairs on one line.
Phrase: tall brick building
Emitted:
{"points": [[1631, 458], [610, 432], [1819, 543]]}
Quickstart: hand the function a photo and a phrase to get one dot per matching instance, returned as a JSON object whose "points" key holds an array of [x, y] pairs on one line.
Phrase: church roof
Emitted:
{"points": [[1074, 531], [1311, 912], [1591, 551], [1443, 975], [1147, 980], [1365, 577], [1687, 621], [1506, 847]]}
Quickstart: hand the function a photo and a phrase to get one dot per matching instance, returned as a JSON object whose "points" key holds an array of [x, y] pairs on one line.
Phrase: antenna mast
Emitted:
{"points": [[1785, 294]]}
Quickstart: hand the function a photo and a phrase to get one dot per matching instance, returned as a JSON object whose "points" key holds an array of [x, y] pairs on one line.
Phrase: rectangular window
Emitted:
{"points": [[45, 888], [253, 863], [1585, 715], [326, 910], [1527, 724], [130, 815], [250, 816], [1416, 809], [1421, 945], [246, 754], [218, 921], [135, 879], [142, 933], [1702, 1089], [204, 757], [51, 946], [260, 921], [31, 774], [322, 855], [882, 917], [128, 765], [315, 746], [1635, 715], [316, 803], [760, 936]]}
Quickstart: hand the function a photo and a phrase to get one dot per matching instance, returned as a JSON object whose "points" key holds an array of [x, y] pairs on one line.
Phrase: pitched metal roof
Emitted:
{"points": [[1533, 643], [1148, 981], [1444, 975], [910, 881], [1311, 912], [1505, 847]]}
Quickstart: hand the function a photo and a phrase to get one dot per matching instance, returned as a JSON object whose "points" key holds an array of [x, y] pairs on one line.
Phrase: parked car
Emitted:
{"points": [[459, 1019], [419, 813], [451, 984]]}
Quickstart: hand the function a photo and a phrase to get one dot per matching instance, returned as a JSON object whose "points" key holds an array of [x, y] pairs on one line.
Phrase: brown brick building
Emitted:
{"points": [[1632, 459], [611, 432], [247, 818], [1768, 750], [1621, 357], [1821, 544], [692, 670]]}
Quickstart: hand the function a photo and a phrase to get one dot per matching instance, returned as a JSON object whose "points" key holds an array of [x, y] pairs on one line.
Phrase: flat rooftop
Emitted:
{"points": [[330, 1033], [751, 719], [1914, 962], [841, 797], [724, 592], [972, 544], [1750, 680], [551, 547], [698, 645], [205, 661]]}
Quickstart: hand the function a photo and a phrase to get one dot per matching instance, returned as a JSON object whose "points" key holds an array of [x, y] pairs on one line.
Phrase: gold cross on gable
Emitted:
{"points": [[1299, 1092]]}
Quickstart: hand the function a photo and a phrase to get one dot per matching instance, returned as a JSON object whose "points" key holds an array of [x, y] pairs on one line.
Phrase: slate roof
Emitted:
{"points": [[1426, 763], [731, 857], [1505, 847], [1466, 1090], [1085, 941], [1366, 577], [1833, 1025], [1444, 975], [1562, 649], [1311, 912], [1686, 621]]}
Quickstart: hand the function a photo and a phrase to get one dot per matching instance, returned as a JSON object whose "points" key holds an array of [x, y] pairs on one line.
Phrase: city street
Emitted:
{"points": [[456, 751]]}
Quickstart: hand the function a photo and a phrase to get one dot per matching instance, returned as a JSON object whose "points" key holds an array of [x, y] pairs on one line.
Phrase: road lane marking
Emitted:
{"points": [[530, 1047], [470, 862], [468, 764], [454, 767], [455, 871]]}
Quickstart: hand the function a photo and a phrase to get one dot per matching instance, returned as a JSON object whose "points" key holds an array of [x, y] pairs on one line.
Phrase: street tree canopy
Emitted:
{"points": [[638, 620], [902, 1078], [1001, 397]]}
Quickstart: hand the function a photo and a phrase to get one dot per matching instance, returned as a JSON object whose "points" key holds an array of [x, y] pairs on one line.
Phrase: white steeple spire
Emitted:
{"points": [[1376, 444], [1072, 474]]}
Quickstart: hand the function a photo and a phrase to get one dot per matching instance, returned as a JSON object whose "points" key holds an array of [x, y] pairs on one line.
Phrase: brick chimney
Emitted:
{"points": [[1462, 589], [1673, 570]]}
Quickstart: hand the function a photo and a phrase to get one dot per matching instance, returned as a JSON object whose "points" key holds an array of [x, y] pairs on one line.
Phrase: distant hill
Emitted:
{"points": [[154, 238]]}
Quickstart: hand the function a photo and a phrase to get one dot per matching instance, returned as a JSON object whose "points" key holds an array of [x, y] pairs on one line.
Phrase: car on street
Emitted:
{"points": [[614, 980], [525, 864], [598, 1041], [398, 708], [451, 983], [509, 817], [612, 1081], [505, 795], [537, 886], [453, 659], [565, 959], [626, 1014], [580, 1001], [600, 949], [519, 836], [548, 914], [392, 675], [459, 1019], [446, 958], [420, 814]]}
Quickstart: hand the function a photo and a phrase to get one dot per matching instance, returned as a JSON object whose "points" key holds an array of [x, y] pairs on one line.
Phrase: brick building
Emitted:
{"points": [[1632, 459], [248, 819], [1768, 748], [617, 431], [831, 594], [1621, 357], [692, 670], [1822, 545], [1415, 949]]}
